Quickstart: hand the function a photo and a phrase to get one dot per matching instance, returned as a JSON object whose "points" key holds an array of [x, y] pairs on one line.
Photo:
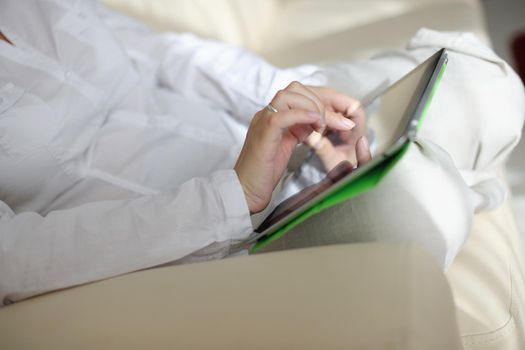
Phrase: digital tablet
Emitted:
{"points": [[394, 116]]}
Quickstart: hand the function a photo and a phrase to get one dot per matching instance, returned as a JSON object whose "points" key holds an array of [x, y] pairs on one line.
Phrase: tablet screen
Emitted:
{"points": [[388, 115]]}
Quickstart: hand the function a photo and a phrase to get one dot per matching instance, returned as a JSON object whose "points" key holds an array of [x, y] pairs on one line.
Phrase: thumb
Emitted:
{"points": [[363, 151]]}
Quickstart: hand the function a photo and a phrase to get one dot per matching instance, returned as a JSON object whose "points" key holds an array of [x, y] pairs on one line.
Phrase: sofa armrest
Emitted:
{"points": [[366, 296]]}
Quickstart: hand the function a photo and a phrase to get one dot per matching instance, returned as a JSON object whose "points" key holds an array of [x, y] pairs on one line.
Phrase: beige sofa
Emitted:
{"points": [[371, 296]]}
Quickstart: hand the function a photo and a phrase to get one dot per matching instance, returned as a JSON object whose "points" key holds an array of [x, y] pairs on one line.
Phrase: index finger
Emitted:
{"points": [[338, 101]]}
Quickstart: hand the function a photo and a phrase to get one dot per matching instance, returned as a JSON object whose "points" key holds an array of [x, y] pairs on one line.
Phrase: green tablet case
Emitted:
{"points": [[362, 183]]}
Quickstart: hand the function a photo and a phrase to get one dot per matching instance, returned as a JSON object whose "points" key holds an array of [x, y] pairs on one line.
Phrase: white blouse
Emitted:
{"points": [[117, 144]]}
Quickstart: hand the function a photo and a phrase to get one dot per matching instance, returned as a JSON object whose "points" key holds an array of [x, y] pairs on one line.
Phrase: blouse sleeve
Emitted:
{"points": [[232, 78], [103, 239]]}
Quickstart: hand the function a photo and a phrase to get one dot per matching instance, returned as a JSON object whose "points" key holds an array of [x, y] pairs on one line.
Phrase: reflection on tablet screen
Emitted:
{"points": [[294, 202]]}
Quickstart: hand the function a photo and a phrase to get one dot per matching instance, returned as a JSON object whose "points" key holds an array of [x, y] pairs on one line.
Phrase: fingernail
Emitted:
{"points": [[313, 115], [353, 108], [347, 123], [363, 142]]}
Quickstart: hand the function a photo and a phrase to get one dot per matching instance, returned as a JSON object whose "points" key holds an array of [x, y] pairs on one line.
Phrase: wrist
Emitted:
{"points": [[255, 202]]}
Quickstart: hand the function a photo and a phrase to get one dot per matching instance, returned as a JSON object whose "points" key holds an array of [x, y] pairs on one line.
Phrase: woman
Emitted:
{"points": [[123, 149]]}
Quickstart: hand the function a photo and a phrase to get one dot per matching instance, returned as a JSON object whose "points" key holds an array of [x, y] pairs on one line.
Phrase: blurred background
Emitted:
{"points": [[506, 26], [292, 32]]}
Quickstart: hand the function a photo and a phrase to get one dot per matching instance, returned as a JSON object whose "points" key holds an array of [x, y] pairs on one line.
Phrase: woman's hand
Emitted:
{"points": [[353, 145], [272, 137]]}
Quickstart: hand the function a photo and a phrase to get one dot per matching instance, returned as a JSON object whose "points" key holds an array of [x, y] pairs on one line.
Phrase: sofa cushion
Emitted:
{"points": [[234, 21]]}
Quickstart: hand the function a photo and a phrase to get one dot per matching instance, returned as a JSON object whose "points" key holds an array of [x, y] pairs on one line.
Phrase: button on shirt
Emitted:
{"points": [[117, 144]]}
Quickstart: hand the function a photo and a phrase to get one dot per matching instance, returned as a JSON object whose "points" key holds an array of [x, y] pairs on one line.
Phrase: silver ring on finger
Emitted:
{"points": [[271, 108]]}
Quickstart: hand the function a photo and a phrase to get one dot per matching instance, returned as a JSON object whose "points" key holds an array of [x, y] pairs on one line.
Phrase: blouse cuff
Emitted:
{"points": [[235, 208]]}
